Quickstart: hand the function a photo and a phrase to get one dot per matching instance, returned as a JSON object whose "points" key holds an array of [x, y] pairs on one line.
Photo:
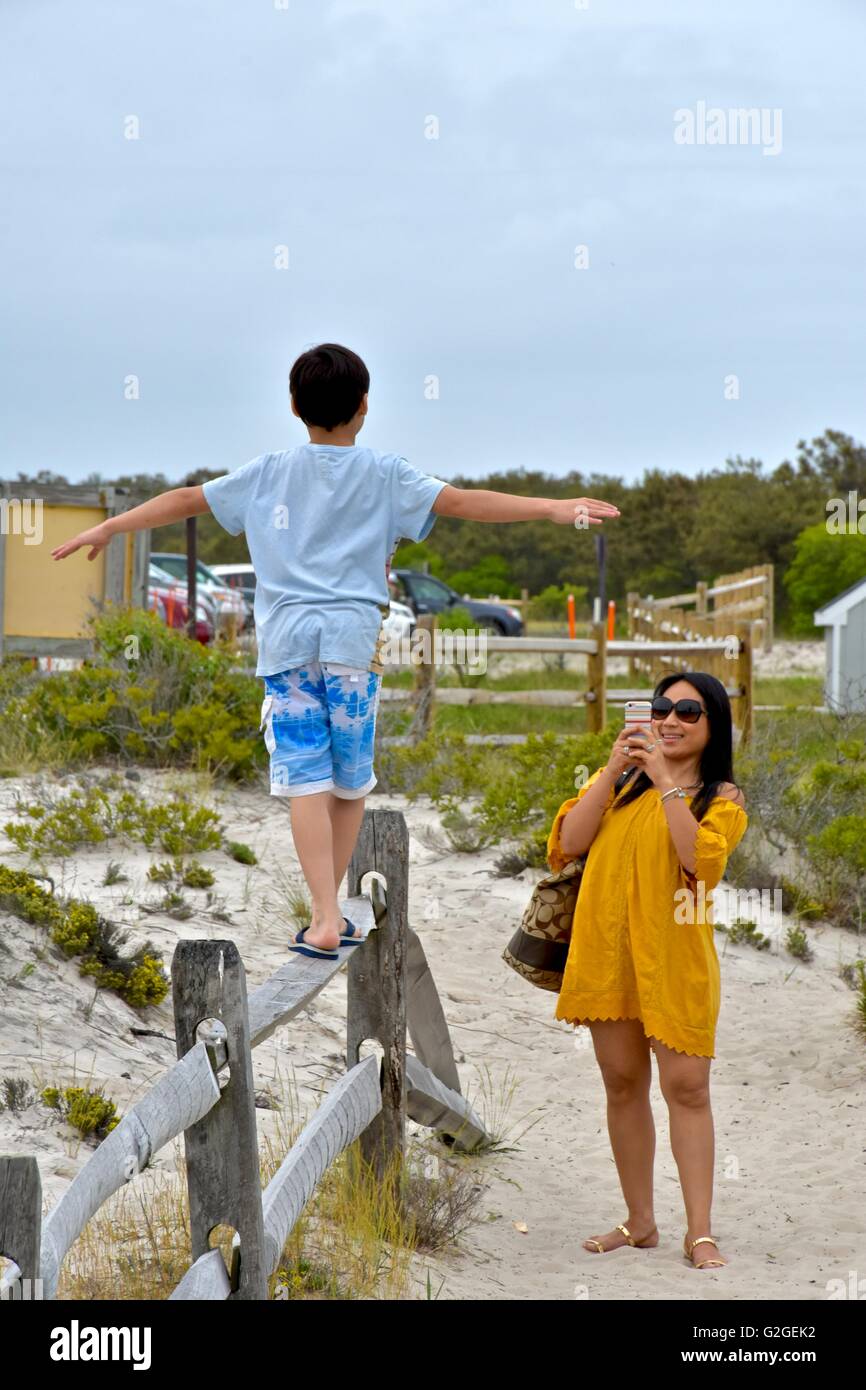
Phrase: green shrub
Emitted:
{"points": [[17, 1094], [148, 695], [747, 933], [804, 779], [518, 799], [860, 986], [489, 575], [552, 603], [90, 1112], [838, 855], [78, 929], [797, 944], [92, 816], [195, 875], [458, 619], [161, 873], [241, 853]]}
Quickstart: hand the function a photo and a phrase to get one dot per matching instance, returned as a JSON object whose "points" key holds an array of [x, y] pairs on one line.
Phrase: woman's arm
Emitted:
{"points": [[682, 824], [580, 825], [683, 827]]}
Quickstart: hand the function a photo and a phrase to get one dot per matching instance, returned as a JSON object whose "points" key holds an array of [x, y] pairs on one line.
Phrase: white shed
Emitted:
{"points": [[844, 622]]}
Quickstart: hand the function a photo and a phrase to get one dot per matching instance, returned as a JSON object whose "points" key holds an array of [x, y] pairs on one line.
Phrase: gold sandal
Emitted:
{"points": [[701, 1264], [603, 1249]]}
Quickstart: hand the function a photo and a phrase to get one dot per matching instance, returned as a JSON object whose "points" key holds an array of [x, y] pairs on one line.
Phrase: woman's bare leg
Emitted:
{"points": [[685, 1083], [622, 1051]]}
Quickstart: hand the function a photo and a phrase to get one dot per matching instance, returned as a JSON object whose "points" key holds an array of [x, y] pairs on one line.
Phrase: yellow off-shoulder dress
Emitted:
{"points": [[633, 951]]}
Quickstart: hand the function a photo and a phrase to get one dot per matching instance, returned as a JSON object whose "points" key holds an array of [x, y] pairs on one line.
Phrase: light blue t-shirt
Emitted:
{"points": [[320, 521]]}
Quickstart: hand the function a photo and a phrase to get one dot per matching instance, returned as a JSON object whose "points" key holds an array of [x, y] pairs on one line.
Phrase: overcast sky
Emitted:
{"points": [[448, 262]]}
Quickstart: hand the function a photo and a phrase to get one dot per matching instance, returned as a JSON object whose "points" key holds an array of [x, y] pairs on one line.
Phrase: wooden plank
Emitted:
{"points": [[20, 1223], [492, 740], [377, 980], [206, 1279], [676, 600], [349, 1108], [478, 695], [430, 1102], [222, 1151], [425, 1017], [291, 988], [577, 645], [619, 697], [738, 584], [540, 644], [675, 646], [178, 1099]]}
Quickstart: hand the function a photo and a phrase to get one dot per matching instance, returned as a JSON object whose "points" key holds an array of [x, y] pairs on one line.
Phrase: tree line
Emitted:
{"points": [[674, 529]]}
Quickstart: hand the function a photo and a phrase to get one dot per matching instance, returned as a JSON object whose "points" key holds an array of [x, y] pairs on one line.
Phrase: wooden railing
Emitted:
{"points": [[746, 596], [680, 642], [390, 991]]}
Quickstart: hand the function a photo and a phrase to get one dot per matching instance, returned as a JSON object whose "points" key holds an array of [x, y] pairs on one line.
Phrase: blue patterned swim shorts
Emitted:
{"points": [[319, 723]]}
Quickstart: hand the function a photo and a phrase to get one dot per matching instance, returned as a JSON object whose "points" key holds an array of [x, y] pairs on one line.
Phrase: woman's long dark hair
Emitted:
{"points": [[717, 759]]}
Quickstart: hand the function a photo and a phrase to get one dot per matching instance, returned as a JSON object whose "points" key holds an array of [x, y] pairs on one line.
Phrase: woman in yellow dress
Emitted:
{"points": [[657, 824]]}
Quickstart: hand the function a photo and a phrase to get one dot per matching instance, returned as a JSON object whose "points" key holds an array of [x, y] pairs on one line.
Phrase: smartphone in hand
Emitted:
{"points": [[638, 715]]}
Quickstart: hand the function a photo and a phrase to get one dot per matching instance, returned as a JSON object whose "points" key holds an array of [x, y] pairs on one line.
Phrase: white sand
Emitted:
{"points": [[788, 1080]]}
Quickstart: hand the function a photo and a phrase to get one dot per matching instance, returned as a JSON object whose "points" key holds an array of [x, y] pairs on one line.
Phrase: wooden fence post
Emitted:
{"points": [[596, 695], [376, 1006], [631, 600], [21, 1222], [222, 1151], [743, 708], [424, 686], [769, 606], [701, 598]]}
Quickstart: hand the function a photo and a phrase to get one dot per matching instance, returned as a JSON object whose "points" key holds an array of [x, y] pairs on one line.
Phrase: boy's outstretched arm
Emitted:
{"points": [[175, 505], [477, 504]]}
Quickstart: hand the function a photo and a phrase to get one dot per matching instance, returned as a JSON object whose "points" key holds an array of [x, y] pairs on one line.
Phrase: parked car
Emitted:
{"points": [[204, 598], [399, 622], [168, 600], [428, 595], [237, 577], [228, 601]]}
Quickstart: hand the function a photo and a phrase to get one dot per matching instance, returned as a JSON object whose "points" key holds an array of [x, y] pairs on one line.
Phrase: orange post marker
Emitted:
{"points": [[571, 615], [611, 619]]}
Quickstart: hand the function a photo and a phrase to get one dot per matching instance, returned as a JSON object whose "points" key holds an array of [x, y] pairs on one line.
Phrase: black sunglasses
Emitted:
{"points": [[689, 711]]}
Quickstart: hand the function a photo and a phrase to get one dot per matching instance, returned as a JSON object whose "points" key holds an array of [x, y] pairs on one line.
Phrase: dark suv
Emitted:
{"points": [[425, 594]]}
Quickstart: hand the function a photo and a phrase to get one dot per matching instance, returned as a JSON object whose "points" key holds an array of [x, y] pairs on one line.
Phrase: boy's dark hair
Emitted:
{"points": [[327, 384]]}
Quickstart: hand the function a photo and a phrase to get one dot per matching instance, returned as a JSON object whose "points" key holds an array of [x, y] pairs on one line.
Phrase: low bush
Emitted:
{"points": [[78, 929]]}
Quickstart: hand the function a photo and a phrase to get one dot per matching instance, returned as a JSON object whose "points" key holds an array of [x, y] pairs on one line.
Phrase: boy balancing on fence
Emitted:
{"points": [[321, 522]]}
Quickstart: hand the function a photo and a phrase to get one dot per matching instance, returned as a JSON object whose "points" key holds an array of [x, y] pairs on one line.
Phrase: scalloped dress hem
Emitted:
{"points": [[654, 1026]]}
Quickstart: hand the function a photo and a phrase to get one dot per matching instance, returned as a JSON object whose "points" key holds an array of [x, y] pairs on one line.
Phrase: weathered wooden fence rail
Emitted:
{"points": [[689, 643], [746, 596], [208, 1095]]}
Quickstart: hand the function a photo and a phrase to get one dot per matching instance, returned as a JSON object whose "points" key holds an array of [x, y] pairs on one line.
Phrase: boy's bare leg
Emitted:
{"points": [[313, 835], [325, 828], [346, 817]]}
